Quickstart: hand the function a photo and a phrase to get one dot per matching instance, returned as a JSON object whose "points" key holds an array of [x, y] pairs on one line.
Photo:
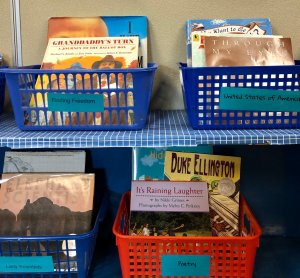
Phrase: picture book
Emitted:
{"points": [[249, 26], [79, 53], [248, 51], [103, 26], [44, 162], [222, 173], [47, 205], [148, 163], [165, 208]]}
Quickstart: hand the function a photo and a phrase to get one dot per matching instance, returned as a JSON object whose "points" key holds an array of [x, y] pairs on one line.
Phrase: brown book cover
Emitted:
{"points": [[47, 205], [248, 51]]}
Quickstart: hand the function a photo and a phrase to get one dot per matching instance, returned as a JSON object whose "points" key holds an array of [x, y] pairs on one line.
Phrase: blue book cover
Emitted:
{"points": [[249, 26], [148, 163], [102, 26]]}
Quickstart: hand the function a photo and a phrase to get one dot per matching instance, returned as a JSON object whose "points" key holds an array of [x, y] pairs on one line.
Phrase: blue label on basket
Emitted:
{"points": [[185, 265], [26, 264], [75, 102], [259, 100]]}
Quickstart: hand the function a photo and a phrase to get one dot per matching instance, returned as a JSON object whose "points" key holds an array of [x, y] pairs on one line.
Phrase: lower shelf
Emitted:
{"points": [[276, 257]]}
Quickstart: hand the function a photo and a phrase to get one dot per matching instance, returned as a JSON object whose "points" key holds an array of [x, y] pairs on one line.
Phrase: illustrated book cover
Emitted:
{"points": [[148, 163], [47, 205], [222, 173], [166, 208], [248, 51], [103, 26], [247, 26], [79, 53], [44, 162]]}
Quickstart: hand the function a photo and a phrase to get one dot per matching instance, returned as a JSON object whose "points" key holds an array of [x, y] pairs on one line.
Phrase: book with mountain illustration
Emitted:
{"points": [[75, 54], [47, 205], [222, 174], [169, 208]]}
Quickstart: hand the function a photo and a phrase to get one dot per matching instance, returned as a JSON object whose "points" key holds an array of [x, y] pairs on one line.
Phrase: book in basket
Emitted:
{"points": [[103, 26], [248, 51], [34, 204], [76, 54], [166, 208], [196, 27], [222, 173]]}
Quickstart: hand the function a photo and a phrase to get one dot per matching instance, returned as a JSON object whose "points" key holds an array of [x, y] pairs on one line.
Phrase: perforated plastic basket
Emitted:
{"points": [[2, 88], [60, 249], [141, 256], [201, 89], [126, 96]]}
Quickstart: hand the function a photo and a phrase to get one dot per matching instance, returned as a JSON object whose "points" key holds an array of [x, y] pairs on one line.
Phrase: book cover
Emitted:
{"points": [[148, 163], [249, 26], [103, 26], [47, 205], [222, 173], [44, 162], [165, 208], [78, 53], [248, 51]]}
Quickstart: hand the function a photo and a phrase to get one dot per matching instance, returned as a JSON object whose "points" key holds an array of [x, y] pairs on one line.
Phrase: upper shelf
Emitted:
{"points": [[164, 128]]}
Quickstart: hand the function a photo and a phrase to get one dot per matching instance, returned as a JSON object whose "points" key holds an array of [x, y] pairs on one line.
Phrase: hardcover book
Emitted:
{"points": [[47, 205], [103, 26], [247, 26], [222, 173], [79, 53], [44, 162], [165, 208], [248, 51], [148, 163]]}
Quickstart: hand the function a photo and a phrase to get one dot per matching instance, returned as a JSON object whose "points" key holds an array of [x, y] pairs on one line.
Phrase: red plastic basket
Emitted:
{"points": [[230, 257]]}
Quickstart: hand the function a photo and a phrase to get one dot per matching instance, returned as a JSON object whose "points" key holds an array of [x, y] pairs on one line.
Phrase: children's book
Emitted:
{"points": [[47, 205], [103, 26], [248, 51], [148, 163], [247, 26], [79, 53], [222, 173], [165, 208], [44, 162]]}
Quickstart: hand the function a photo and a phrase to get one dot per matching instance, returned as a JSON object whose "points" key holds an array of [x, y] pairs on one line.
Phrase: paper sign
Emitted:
{"points": [[259, 100], [185, 265], [169, 196], [27, 264], [75, 102]]}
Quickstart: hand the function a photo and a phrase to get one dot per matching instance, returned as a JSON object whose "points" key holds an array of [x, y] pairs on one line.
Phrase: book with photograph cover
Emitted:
{"points": [[222, 173], [248, 51], [83, 53], [246, 26], [166, 208], [103, 26], [47, 205]]}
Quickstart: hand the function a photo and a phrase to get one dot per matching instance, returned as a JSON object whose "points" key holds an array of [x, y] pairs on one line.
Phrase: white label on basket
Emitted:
{"points": [[26, 264], [75, 102], [259, 100], [185, 265], [69, 247]]}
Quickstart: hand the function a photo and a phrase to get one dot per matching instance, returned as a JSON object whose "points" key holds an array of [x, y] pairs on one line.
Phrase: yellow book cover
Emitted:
{"points": [[222, 173], [82, 53]]}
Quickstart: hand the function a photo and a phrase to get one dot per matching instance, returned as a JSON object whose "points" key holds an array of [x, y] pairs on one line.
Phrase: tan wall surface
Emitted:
{"points": [[166, 20]]}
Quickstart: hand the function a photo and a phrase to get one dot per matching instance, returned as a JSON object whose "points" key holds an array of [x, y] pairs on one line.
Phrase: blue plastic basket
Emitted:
{"points": [[201, 88], [2, 89], [60, 248], [126, 96]]}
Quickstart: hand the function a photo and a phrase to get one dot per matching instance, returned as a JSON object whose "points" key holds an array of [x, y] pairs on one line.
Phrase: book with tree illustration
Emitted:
{"points": [[47, 205], [222, 174], [165, 208], [83, 53]]}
